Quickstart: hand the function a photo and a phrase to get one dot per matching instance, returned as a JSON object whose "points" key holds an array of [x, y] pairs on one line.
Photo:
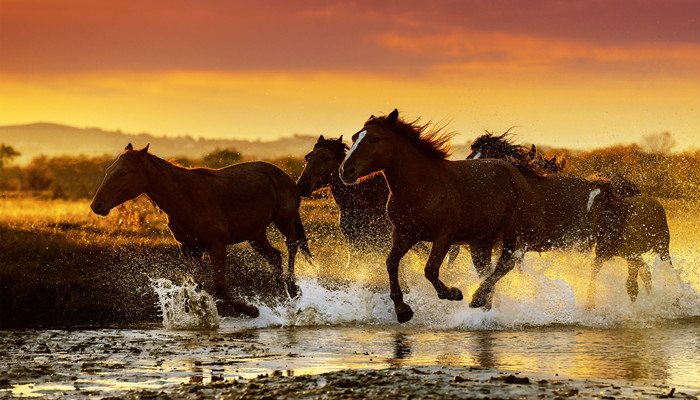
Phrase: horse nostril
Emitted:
{"points": [[350, 171], [97, 207]]}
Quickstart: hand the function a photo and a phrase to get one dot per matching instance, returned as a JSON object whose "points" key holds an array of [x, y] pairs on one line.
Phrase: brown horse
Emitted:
{"points": [[439, 201], [209, 209], [363, 219], [565, 211], [632, 224], [618, 218]]}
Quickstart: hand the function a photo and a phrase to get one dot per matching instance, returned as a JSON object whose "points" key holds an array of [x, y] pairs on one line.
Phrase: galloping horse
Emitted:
{"points": [[363, 218], [209, 209], [620, 220], [440, 201], [632, 225], [565, 211]]}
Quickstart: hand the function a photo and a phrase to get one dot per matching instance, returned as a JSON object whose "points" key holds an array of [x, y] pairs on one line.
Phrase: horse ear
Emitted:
{"points": [[393, 117], [129, 147], [143, 151], [320, 139], [340, 139], [533, 151]]}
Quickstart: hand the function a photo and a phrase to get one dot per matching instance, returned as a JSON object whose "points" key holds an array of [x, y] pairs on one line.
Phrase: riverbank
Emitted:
{"points": [[425, 382]]}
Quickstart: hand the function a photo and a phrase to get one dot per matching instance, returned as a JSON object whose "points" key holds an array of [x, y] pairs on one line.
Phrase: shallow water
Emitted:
{"points": [[539, 325]]}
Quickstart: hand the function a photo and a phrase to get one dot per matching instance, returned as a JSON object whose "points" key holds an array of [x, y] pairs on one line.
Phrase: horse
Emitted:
{"points": [[363, 219], [632, 224], [623, 223], [209, 209], [438, 200], [565, 210]]}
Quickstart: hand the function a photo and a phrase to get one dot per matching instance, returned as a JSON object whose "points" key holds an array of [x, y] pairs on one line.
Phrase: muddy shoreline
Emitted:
{"points": [[423, 382]]}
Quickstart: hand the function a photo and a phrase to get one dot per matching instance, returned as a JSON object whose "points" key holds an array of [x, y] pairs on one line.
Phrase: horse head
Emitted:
{"points": [[490, 145], [322, 164], [371, 149], [124, 180]]}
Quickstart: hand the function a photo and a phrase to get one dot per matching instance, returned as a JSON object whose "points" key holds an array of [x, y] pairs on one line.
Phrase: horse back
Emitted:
{"points": [[241, 199], [480, 199]]}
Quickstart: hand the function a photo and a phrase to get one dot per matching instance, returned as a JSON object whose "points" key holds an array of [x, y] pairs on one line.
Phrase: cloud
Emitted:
{"points": [[464, 49]]}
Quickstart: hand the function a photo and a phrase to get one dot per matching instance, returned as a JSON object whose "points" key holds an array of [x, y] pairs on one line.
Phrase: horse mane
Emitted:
{"points": [[335, 145], [519, 155], [432, 143]]}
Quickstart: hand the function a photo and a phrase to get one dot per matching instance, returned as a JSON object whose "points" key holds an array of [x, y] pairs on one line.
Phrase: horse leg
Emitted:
{"points": [[288, 227], [400, 246], [483, 295], [217, 257], [481, 257], [432, 272], [193, 258], [292, 247], [262, 246], [633, 268], [597, 265]]}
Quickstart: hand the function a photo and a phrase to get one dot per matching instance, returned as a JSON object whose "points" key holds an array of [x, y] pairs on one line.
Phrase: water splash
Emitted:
{"points": [[549, 289], [184, 307]]}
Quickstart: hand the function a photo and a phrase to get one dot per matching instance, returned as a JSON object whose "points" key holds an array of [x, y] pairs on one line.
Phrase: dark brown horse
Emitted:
{"points": [[440, 201], [209, 209], [363, 219], [565, 211], [618, 218], [632, 224]]}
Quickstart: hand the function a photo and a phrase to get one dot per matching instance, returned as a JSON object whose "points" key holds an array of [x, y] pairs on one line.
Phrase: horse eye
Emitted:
{"points": [[122, 173]]}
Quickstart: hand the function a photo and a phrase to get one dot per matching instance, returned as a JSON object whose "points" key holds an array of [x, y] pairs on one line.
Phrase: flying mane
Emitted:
{"points": [[518, 155], [432, 143]]}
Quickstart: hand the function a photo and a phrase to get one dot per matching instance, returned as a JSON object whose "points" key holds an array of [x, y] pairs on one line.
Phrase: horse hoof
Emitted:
{"points": [[252, 312], [404, 315], [293, 290], [456, 294], [478, 300]]}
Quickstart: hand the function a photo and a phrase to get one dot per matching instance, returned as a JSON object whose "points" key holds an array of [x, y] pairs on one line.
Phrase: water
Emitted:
{"points": [[539, 325]]}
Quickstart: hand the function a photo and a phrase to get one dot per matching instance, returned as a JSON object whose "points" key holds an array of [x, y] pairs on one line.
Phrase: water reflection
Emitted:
{"points": [[484, 350], [107, 361], [402, 350]]}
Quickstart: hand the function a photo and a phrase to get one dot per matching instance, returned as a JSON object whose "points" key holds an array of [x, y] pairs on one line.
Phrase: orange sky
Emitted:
{"points": [[576, 74]]}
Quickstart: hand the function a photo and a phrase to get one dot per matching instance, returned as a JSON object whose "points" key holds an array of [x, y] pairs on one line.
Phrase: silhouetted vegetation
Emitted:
{"points": [[656, 171], [77, 177]]}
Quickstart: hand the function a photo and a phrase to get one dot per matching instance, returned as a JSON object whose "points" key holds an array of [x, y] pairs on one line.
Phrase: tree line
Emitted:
{"points": [[657, 173]]}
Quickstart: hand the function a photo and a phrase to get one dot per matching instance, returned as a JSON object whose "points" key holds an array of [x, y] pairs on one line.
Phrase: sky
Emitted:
{"points": [[578, 74]]}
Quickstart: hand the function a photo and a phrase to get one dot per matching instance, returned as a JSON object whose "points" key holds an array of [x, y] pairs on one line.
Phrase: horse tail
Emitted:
{"points": [[301, 237]]}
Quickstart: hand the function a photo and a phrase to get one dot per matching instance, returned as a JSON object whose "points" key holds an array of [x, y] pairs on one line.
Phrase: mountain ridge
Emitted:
{"points": [[53, 139]]}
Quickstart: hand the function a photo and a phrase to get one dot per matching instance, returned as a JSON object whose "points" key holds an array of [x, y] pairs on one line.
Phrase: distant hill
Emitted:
{"points": [[54, 139]]}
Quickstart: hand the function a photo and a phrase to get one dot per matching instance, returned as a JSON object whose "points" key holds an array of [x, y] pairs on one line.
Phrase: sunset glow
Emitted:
{"points": [[578, 74]]}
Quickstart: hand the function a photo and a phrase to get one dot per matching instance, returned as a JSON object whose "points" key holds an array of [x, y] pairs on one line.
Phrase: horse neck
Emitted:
{"points": [[360, 195], [167, 187], [408, 169]]}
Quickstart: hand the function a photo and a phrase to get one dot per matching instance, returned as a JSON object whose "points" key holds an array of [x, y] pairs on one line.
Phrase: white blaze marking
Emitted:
{"points": [[591, 197], [354, 146], [477, 155]]}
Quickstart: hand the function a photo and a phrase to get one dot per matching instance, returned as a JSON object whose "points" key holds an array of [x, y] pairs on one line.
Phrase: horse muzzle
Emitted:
{"points": [[305, 188], [348, 174], [99, 208]]}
